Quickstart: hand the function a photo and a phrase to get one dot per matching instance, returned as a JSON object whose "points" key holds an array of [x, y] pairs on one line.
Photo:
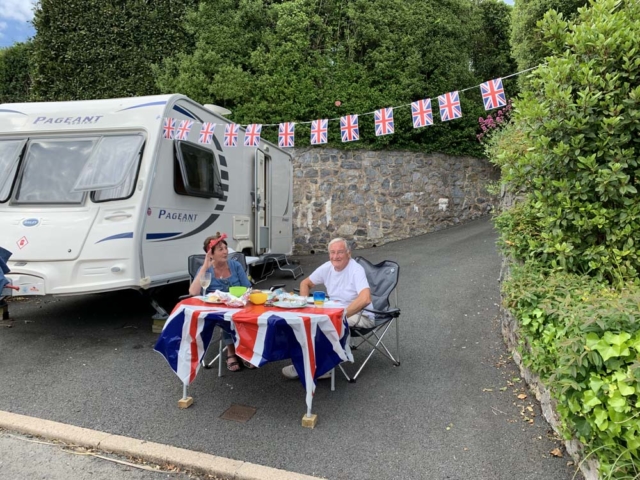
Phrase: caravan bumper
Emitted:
{"points": [[25, 284]]}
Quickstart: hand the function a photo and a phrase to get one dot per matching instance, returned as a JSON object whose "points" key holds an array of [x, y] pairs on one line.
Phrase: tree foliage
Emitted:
{"points": [[270, 62], [15, 74], [527, 43], [87, 49], [491, 55]]}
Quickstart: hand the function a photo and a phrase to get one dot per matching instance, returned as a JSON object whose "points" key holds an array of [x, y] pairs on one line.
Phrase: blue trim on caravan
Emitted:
{"points": [[186, 112], [161, 236], [11, 111], [160, 102], [116, 237]]}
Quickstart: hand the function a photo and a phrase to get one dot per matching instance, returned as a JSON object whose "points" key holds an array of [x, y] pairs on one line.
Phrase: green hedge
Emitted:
{"points": [[570, 157]]}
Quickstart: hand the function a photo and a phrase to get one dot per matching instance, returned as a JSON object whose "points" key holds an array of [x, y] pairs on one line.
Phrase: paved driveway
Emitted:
{"points": [[450, 411]]}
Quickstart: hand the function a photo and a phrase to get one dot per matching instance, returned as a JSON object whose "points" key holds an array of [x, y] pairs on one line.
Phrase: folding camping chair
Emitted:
{"points": [[383, 282]]}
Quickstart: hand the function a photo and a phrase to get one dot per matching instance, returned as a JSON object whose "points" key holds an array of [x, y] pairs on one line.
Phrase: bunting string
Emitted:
{"points": [[448, 104]]}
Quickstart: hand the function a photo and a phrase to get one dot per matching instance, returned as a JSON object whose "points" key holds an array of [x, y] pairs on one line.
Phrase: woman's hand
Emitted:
{"points": [[208, 261]]}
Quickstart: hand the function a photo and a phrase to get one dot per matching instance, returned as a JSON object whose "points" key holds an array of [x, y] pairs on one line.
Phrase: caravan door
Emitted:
{"points": [[261, 204]]}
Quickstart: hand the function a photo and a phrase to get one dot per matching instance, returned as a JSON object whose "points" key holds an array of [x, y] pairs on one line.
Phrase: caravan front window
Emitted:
{"points": [[10, 151], [62, 170], [50, 170], [196, 172]]}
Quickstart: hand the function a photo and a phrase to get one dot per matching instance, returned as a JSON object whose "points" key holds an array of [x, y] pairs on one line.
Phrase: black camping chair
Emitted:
{"points": [[383, 282]]}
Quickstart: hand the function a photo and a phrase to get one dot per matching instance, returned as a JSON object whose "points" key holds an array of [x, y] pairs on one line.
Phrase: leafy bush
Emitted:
{"points": [[569, 156], [529, 49], [571, 149], [583, 339]]}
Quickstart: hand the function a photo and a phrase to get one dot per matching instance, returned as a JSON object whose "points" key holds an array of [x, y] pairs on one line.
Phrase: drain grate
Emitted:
{"points": [[239, 413]]}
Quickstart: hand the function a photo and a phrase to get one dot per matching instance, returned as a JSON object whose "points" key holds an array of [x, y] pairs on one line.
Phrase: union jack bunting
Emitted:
{"points": [[169, 127], [493, 94], [252, 135], [349, 128], [384, 121], [286, 134], [421, 113], [449, 106], [206, 132], [319, 131], [183, 130], [231, 135], [318, 341]]}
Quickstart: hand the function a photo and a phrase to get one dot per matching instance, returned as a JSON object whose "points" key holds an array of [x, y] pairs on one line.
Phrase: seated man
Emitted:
{"points": [[346, 284]]}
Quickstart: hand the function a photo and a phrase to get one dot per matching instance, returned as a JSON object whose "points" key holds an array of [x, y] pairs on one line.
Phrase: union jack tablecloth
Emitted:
{"points": [[315, 339]]}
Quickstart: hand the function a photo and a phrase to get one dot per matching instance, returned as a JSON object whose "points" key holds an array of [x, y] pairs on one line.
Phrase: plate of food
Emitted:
{"points": [[212, 298], [290, 304]]}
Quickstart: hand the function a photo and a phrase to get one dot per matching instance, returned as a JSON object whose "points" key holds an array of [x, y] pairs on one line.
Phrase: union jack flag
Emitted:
{"points": [[315, 342], [384, 121], [231, 135], [206, 132], [449, 106], [252, 135], [286, 134], [183, 130], [493, 94], [349, 128], [169, 127], [319, 131], [421, 113]]}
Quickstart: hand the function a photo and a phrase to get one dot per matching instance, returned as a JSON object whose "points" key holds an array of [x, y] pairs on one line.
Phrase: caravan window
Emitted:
{"points": [[10, 151], [51, 169], [196, 172]]}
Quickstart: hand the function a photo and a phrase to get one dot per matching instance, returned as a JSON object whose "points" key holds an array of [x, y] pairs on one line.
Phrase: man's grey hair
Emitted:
{"points": [[340, 239]]}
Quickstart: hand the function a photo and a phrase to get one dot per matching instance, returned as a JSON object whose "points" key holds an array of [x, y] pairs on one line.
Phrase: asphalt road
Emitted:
{"points": [[450, 411]]}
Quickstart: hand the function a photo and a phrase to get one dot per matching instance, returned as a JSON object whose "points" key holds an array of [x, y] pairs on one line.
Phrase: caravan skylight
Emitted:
{"points": [[110, 163], [9, 154]]}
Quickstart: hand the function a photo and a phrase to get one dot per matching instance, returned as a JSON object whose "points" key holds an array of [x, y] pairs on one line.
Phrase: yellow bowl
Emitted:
{"points": [[237, 291], [258, 298]]}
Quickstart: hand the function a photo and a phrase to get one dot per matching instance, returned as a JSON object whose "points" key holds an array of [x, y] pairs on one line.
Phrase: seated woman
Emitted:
{"points": [[225, 273]]}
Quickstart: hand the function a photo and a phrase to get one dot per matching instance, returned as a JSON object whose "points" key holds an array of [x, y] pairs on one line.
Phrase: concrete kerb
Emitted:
{"points": [[149, 451]]}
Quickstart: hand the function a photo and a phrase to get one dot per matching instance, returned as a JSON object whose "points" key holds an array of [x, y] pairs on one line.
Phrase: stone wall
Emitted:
{"points": [[374, 197]]}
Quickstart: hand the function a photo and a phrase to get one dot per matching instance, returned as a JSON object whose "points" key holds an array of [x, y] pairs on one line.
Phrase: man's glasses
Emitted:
{"points": [[338, 253]]}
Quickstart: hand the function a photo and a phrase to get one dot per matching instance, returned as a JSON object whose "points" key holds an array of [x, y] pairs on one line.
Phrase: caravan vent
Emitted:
{"points": [[217, 109]]}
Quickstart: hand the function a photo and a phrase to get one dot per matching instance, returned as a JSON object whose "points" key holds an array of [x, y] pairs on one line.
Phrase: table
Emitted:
{"points": [[316, 339]]}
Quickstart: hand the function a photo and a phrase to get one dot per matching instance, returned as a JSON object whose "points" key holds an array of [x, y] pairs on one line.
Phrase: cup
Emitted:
{"points": [[318, 299]]}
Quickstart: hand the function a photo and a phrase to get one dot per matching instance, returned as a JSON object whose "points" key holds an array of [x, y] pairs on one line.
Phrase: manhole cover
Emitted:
{"points": [[238, 413]]}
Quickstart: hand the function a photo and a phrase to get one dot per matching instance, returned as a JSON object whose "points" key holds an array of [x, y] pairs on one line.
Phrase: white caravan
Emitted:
{"points": [[94, 198]]}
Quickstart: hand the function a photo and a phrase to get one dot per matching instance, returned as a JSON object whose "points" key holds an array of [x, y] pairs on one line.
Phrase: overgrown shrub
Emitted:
{"points": [[570, 158], [583, 339], [572, 148]]}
